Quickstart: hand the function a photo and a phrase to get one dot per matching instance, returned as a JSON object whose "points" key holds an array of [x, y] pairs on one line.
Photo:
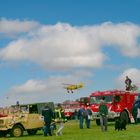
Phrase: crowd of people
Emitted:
{"points": [[51, 119], [84, 115]]}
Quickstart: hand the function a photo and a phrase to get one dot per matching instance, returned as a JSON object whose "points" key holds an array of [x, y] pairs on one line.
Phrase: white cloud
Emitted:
{"points": [[133, 74], [30, 86], [123, 36], [50, 90], [12, 27], [62, 46]]}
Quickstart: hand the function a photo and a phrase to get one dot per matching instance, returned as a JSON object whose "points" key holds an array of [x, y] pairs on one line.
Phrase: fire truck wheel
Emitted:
{"points": [[16, 131], [98, 122], [124, 116]]}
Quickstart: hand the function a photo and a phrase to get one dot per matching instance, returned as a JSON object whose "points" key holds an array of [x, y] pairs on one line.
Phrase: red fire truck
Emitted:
{"points": [[84, 101], [119, 103], [70, 107]]}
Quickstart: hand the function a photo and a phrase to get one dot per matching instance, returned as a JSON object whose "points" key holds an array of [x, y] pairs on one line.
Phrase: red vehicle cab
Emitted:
{"points": [[69, 108], [119, 103], [84, 101]]}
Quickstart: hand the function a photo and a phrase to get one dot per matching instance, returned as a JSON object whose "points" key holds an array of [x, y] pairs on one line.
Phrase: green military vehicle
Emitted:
{"points": [[23, 118]]}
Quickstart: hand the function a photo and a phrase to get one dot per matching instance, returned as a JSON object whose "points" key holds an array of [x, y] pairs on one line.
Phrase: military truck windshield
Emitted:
{"points": [[24, 109], [96, 99]]}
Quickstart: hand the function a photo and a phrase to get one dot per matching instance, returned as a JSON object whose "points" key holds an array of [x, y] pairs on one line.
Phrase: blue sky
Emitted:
{"points": [[45, 43]]}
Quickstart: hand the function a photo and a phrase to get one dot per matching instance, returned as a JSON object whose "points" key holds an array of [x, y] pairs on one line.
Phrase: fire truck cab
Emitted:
{"points": [[119, 104], [84, 101], [69, 108]]}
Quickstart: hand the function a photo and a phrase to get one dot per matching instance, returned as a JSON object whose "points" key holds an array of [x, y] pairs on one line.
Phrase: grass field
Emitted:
{"points": [[71, 131]]}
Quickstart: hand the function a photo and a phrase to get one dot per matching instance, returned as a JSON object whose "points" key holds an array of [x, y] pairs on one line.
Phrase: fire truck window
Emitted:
{"points": [[117, 98], [96, 100], [108, 99], [24, 108], [92, 100]]}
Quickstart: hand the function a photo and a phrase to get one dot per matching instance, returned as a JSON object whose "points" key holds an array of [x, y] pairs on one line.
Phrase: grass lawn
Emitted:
{"points": [[71, 131]]}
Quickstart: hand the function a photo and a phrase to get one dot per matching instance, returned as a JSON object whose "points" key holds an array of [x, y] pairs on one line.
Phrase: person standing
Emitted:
{"points": [[135, 107], [103, 111], [81, 113], [88, 116], [128, 82], [60, 118], [47, 113], [135, 113]]}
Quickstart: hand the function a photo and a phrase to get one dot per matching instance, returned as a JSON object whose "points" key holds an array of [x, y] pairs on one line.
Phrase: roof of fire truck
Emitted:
{"points": [[70, 102], [111, 92]]}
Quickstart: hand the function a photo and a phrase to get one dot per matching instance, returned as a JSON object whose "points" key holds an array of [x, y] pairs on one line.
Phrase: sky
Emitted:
{"points": [[45, 43]]}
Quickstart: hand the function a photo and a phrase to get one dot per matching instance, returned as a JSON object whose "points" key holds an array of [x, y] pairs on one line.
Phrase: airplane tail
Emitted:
{"points": [[81, 85]]}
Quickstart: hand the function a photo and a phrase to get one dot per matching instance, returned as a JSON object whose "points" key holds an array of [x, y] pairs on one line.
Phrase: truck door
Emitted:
{"points": [[33, 121], [119, 103]]}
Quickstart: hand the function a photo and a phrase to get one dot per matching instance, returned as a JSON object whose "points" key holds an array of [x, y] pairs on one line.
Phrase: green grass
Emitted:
{"points": [[71, 131]]}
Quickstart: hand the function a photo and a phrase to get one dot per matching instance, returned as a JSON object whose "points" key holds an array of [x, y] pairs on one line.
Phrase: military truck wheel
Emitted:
{"points": [[32, 131], [124, 116], [16, 131], [98, 122]]}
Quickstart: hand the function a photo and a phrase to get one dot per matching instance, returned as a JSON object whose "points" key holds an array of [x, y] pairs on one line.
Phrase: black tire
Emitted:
{"points": [[124, 117], [98, 122], [32, 131], [16, 131], [3, 133]]}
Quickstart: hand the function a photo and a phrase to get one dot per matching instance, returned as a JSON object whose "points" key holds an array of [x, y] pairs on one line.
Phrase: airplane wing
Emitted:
{"points": [[68, 84]]}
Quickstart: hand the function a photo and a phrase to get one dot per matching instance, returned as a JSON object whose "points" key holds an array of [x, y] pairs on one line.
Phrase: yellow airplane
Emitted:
{"points": [[71, 87]]}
